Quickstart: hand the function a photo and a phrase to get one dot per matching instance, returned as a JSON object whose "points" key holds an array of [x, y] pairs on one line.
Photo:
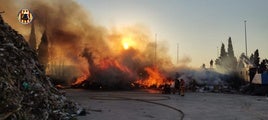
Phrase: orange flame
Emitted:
{"points": [[155, 78], [80, 79], [104, 64]]}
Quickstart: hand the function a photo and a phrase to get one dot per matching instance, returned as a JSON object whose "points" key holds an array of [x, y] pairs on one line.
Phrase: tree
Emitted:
{"points": [[256, 58], [43, 50], [220, 61], [266, 63], [231, 60], [32, 40], [227, 61], [263, 66], [230, 48], [223, 52], [251, 58]]}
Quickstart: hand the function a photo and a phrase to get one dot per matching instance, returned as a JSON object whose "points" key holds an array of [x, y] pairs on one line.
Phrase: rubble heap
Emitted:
{"points": [[25, 91]]}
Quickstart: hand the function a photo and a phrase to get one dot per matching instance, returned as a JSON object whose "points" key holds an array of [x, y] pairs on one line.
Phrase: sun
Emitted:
{"points": [[125, 45], [127, 42]]}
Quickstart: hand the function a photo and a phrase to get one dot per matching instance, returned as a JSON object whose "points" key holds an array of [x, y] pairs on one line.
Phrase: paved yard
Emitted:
{"points": [[151, 105]]}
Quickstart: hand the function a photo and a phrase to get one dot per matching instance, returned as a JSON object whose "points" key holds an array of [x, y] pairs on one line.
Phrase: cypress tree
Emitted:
{"points": [[256, 58], [43, 50], [223, 52], [230, 48], [232, 61]]}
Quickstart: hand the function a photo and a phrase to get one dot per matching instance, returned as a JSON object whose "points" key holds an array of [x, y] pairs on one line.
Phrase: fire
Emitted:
{"points": [[155, 78], [128, 48], [127, 42], [80, 79], [106, 63]]}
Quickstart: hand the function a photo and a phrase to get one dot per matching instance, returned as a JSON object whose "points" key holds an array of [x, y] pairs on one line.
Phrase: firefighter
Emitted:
{"points": [[182, 87], [177, 82], [177, 85]]}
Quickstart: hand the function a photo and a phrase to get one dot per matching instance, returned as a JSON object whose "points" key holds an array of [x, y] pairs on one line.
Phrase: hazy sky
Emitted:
{"points": [[199, 26]]}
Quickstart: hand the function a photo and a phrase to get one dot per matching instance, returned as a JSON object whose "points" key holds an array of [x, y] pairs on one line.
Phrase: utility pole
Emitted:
{"points": [[155, 55], [246, 46]]}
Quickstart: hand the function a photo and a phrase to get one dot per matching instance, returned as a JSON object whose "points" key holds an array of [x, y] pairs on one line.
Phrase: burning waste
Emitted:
{"points": [[83, 54], [112, 73], [155, 78]]}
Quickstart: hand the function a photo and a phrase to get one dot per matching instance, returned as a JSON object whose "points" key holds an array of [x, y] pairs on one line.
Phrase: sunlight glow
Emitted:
{"points": [[125, 45], [127, 42]]}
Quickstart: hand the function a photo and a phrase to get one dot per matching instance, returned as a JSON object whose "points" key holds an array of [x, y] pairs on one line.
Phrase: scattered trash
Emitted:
{"points": [[25, 85], [81, 112]]}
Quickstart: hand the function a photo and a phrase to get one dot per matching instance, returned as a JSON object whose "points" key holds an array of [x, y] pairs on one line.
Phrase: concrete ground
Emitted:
{"points": [[151, 105]]}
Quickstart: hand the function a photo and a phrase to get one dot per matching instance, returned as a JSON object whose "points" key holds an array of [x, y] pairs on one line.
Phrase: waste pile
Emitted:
{"points": [[25, 91]]}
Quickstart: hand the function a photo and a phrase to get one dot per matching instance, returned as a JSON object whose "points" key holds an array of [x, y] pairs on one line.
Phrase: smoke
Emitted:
{"points": [[68, 26], [110, 55], [202, 76], [185, 60]]}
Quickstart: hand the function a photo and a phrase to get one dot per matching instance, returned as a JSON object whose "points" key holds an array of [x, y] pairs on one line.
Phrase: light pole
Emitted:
{"points": [[246, 46], [155, 57]]}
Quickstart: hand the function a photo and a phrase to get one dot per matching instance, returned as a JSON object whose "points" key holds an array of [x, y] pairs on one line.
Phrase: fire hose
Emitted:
{"points": [[140, 100]]}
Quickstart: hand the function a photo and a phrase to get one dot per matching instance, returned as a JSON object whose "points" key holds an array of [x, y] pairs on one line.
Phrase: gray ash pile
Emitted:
{"points": [[25, 91]]}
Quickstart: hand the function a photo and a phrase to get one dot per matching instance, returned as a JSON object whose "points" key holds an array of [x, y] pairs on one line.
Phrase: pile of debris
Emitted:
{"points": [[25, 91]]}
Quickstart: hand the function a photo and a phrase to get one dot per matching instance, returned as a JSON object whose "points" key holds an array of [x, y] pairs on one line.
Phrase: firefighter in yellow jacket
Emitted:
{"points": [[182, 87]]}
